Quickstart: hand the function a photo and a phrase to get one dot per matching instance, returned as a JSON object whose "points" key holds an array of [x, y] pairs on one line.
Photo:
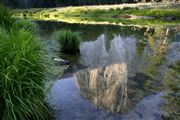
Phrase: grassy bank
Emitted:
{"points": [[24, 71], [128, 14]]}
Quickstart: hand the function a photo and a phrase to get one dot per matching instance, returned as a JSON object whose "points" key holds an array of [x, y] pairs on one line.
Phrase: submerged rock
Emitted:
{"points": [[60, 62]]}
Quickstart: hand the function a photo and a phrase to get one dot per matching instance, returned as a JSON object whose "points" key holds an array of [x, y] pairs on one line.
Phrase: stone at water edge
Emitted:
{"points": [[60, 62]]}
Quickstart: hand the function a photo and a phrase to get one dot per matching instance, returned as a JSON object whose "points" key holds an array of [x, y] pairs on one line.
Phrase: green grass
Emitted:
{"points": [[5, 17], [157, 13], [25, 25], [107, 15], [172, 80], [69, 41], [118, 13], [22, 74], [23, 71]]}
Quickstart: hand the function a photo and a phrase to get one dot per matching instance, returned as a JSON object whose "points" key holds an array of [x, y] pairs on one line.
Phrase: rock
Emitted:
{"points": [[60, 62]]}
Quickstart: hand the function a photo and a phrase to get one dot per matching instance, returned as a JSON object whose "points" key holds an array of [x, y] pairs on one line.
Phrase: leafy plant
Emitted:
{"points": [[26, 25], [22, 74], [23, 71], [69, 41], [172, 80], [5, 17]]}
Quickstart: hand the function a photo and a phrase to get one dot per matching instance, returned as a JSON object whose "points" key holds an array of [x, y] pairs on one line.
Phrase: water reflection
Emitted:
{"points": [[96, 54], [118, 77], [105, 81], [116, 70], [106, 87]]}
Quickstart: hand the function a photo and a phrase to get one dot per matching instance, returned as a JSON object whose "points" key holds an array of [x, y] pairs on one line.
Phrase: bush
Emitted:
{"points": [[22, 77], [25, 25], [69, 41], [130, 8], [5, 17], [111, 9], [172, 80], [23, 71], [22, 74]]}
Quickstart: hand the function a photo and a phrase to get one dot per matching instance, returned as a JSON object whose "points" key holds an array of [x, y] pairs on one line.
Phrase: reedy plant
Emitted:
{"points": [[23, 75], [69, 41], [23, 71], [6, 19], [26, 25]]}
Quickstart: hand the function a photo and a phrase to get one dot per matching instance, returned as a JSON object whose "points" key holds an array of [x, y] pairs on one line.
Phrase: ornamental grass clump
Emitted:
{"points": [[69, 41], [23, 73], [5, 17], [26, 25]]}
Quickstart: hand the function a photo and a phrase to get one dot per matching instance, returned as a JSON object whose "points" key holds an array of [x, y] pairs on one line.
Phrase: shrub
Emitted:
{"points": [[25, 25], [172, 80], [111, 9], [130, 8], [5, 17], [23, 71], [69, 41], [22, 74]]}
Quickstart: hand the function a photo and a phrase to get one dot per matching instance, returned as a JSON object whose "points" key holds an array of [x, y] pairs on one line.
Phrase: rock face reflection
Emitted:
{"points": [[104, 83], [106, 87]]}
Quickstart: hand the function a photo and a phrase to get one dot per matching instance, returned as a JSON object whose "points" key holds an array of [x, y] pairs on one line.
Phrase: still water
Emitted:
{"points": [[119, 73]]}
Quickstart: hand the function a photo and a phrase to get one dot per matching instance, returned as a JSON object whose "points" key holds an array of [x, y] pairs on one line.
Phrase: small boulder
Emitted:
{"points": [[60, 62]]}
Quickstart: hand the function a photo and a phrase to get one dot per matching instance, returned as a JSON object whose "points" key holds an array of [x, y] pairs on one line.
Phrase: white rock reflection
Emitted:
{"points": [[95, 54], [105, 81], [106, 87]]}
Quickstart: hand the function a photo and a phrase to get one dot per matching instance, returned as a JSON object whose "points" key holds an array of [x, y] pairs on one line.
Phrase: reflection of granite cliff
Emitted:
{"points": [[105, 82], [95, 54], [106, 87]]}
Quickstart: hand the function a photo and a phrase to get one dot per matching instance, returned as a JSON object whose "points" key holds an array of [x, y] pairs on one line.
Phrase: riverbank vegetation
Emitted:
{"points": [[23, 71], [63, 3], [172, 82], [159, 43], [117, 14], [69, 41]]}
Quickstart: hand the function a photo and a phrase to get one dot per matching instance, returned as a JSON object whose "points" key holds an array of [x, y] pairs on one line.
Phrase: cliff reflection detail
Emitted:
{"points": [[104, 83]]}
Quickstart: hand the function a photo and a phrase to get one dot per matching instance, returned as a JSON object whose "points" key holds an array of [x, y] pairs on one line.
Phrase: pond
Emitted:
{"points": [[119, 74]]}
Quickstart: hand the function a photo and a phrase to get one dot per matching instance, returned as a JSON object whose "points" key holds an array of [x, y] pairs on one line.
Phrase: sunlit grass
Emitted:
{"points": [[112, 14]]}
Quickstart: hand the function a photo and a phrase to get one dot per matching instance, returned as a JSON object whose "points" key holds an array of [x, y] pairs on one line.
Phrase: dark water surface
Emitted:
{"points": [[119, 70]]}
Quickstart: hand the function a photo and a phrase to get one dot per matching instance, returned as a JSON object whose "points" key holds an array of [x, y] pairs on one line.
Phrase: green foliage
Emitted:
{"points": [[158, 13], [5, 17], [172, 80], [23, 71], [69, 41], [111, 9], [22, 74], [25, 25], [57, 3], [130, 8]]}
